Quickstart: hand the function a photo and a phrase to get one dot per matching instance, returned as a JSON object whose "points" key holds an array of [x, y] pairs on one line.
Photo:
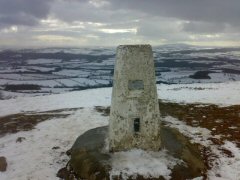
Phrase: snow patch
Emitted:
{"points": [[85, 98], [226, 167], [43, 61], [223, 167], [147, 164], [213, 93]]}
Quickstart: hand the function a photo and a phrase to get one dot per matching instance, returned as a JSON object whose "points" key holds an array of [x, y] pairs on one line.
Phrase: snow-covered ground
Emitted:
{"points": [[147, 164], [35, 159], [223, 94], [216, 93]]}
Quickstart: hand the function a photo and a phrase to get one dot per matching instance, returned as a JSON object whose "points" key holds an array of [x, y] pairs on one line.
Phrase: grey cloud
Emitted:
{"points": [[82, 10], [23, 12], [193, 10], [161, 28], [204, 16], [17, 20], [157, 27], [170, 20], [204, 27]]}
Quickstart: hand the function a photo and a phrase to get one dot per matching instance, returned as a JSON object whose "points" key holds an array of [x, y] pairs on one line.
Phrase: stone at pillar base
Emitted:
{"points": [[90, 160]]}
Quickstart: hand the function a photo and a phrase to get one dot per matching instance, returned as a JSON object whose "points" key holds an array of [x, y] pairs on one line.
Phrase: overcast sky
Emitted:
{"points": [[26, 23]]}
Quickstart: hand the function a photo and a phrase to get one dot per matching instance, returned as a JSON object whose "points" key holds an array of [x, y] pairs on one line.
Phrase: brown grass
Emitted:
{"points": [[105, 111], [27, 121], [224, 121], [219, 120]]}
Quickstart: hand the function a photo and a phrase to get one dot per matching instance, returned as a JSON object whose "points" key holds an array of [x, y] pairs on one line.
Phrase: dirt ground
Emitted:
{"points": [[224, 121], [27, 121]]}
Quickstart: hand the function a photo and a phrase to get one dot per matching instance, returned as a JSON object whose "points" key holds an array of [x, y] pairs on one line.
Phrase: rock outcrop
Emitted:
{"points": [[90, 160]]}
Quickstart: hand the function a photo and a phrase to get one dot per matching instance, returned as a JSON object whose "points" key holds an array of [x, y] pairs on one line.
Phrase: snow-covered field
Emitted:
{"points": [[35, 158], [80, 68], [216, 93], [222, 94]]}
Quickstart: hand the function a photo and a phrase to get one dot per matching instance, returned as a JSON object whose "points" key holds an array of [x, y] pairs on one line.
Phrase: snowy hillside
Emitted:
{"points": [[216, 93], [41, 153]]}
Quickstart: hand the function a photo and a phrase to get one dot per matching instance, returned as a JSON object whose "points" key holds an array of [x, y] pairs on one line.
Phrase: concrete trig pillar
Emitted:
{"points": [[134, 117]]}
